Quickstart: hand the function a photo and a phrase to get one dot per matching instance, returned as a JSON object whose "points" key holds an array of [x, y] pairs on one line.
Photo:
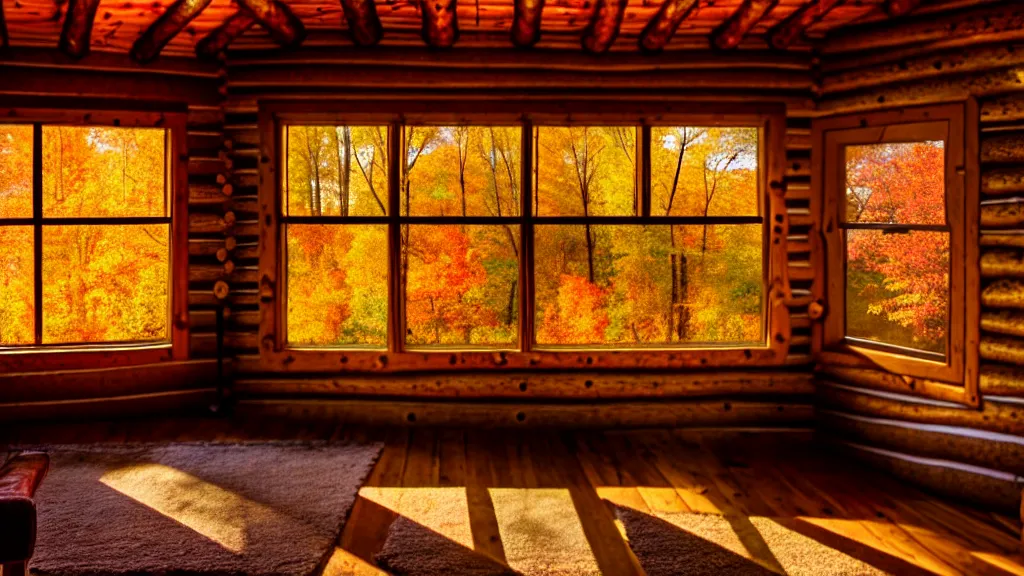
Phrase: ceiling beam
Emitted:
{"points": [[526, 23], [900, 7], [663, 26], [731, 32], [363, 22], [218, 40], [796, 24], [603, 26], [283, 25], [166, 27], [74, 37], [440, 23]]}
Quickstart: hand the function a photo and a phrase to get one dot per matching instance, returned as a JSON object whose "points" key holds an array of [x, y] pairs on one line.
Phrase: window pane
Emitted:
{"points": [[337, 285], [337, 171], [17, 284], [897, 288], [15, 171], [105, 283], [701, 171], [461, 171], [634, 286], [103, 172], [896, 183], [586, 171], [461, 285]]}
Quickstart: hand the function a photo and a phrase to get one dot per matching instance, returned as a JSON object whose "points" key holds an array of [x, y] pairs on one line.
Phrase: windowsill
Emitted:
{"points": [[82, 356], [899, 364]]}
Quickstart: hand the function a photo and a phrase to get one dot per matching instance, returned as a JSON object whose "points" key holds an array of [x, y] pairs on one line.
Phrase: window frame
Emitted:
{"points": [[34, 357], [276, 355], [954, 378]]}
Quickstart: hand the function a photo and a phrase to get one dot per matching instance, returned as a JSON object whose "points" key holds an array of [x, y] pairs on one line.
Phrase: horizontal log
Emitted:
{"points": [[104, 61], [537, 385], [209, 194], [72, 82], [204, 344], [1002, 264], [1002, 349], [199, 223], [975, 59], [308, 77], [207, 319], [1003, 294], [930, 91], [209, 272], [887, 381], [1001, 380], [984, 487], [135, 406], [971, 23], [1002, 181], [1008, 322], [995, 239], [531, 415], [994, 417], [1003, 108], [106, 382], [1004, 148], [1002, 452]]}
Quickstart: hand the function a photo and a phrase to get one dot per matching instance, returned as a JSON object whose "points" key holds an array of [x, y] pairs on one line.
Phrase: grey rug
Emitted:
{"points": [[196, 508]]}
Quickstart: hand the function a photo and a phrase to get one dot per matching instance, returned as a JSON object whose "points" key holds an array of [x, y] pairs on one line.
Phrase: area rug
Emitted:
{"points": [[685, 544], [205, 509]]}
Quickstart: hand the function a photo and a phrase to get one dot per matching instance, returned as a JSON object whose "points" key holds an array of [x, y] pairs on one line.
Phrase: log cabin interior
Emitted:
{"points": [[559, 287]]}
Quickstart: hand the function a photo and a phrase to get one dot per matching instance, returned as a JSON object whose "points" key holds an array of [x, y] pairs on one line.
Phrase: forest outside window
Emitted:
{"points": [[897, 290], [85, 223], [523, 238]]}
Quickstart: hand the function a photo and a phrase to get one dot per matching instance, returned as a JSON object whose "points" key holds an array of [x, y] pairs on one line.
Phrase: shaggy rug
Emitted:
{"points": [[196, 508], [677, 544]]}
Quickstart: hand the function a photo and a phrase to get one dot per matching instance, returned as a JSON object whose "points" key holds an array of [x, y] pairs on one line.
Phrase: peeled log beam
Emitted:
{"points": [[1002, 214], [897, 8], [1003, 294], [603, 26], [440, 23], [363, 22], [793, 27], [1002, 181], [1003, 322], [1002, 349], [283, 25], [166, 27], [1003, 148], [526, 22], [218, 39], [663, 26], [1001, 380], [1002, 264], [77, 31], [731, 32]]}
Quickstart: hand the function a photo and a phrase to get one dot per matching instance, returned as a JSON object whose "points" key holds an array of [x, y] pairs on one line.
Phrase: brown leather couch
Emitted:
{"points": [[20, 477]]}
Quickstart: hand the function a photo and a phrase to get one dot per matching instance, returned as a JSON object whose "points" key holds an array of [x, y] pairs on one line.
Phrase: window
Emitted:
{"points": [[519, 237], [895, 191], [85, 221]]}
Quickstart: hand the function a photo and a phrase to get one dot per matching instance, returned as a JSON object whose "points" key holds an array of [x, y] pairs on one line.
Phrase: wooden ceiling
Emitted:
{"points": [[148, 28]]}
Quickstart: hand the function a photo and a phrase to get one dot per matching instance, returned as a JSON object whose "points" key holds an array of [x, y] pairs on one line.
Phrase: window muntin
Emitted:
{"points": [[897, 247], [96, 240], [437, 245]]}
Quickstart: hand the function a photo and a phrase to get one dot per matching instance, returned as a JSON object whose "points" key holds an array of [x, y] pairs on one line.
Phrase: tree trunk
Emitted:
{"points": [[511, 302], [590, 253]]}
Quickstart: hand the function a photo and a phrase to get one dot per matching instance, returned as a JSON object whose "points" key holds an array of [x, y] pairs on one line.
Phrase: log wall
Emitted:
{"points": [[976, 454]]}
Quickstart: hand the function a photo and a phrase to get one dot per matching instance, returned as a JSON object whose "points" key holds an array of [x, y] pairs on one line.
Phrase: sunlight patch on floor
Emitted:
{"points": [[443, 510], [213, 512], [541, 532]]}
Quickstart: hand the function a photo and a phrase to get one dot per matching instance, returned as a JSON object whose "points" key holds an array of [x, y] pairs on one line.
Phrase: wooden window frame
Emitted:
{"points": [[277, 356], [29, 358], [956, 378]]}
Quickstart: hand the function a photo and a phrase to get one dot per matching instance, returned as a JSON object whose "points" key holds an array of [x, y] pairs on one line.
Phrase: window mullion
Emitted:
{"points": [[37, 216], [396, 293], [643, 171], [526, 238]]}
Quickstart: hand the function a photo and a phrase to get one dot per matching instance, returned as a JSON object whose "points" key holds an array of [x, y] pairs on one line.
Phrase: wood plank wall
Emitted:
{"points": [[45, 78], [776, 397], [976, 454]]}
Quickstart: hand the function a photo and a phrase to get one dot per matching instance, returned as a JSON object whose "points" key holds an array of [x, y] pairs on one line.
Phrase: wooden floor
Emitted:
{"points": [[784, 476]]}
